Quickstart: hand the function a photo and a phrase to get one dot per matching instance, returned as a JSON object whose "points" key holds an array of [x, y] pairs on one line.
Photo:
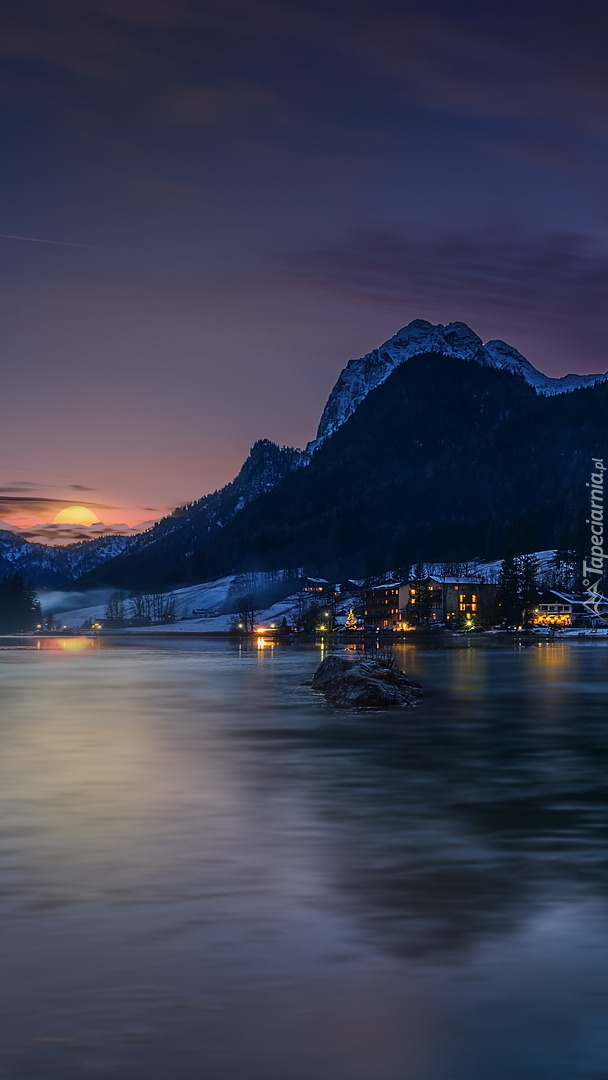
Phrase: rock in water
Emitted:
{"points": [[349, 681]]}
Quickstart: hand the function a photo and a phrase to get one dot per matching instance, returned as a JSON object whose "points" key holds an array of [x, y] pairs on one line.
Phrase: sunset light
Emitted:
{"points": [[76, 515], [304, 713]]}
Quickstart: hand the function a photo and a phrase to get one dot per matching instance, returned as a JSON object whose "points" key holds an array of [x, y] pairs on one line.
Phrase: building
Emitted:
{"points": [[450, 600], [318, 588], [384, 604], [554, 609], [559, 609]]}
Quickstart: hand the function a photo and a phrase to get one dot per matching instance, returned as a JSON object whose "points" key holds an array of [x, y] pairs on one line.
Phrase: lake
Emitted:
{"points": [[207, 873]]}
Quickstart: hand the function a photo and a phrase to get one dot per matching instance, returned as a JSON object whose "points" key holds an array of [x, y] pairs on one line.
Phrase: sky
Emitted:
{"points": [[208, 207]]}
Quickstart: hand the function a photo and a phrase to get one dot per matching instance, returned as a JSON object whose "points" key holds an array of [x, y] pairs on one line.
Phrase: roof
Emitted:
{"points": [[455, 580], [551, 595], [570, 598], [387, 585]]}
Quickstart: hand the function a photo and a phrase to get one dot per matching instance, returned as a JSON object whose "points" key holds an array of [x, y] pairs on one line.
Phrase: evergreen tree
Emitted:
{"points": [[351, 621], [19, 606], [517, 590], [564, 569], [528, 586], [419, 606], [310, 618], [508, 592]]}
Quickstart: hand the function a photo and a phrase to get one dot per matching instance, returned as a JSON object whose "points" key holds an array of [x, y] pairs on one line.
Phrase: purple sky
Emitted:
{"points": [[261, 191]]}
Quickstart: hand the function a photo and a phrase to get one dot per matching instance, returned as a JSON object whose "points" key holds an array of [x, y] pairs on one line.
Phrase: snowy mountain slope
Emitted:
{"points": [[50, 566], [207, 608], [419, 337], [131, 561], [210, 596], [55, 566], [179, 534]]}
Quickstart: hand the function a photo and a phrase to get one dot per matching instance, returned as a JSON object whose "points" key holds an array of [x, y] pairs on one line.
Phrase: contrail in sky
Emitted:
{"points": [[39, 240]]}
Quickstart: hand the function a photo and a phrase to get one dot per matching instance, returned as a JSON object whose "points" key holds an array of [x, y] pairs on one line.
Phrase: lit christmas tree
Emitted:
{"points": [[351, 622]]}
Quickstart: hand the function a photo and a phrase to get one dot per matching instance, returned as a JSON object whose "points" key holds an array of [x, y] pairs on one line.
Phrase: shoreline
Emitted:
{"points": [[436, 638]]}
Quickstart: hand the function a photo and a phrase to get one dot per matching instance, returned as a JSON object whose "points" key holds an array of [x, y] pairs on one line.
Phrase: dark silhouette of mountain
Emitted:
{"points": [[158, 554], [434, 446], [443, 460], [175, 536]]}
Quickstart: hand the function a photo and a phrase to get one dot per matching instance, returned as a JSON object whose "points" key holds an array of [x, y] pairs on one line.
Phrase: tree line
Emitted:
{"points": [[139, 608], [19, 605]]}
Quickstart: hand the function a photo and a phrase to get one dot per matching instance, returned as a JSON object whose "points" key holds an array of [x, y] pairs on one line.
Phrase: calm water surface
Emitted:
{"points": [[205, 873]]}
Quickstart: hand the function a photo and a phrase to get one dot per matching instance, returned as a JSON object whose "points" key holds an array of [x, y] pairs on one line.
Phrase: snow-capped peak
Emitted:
{"points": [[418, 337]]}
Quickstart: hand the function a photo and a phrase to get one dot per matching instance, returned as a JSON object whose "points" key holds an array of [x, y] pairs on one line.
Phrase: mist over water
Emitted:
{"points": [[206, 873]]}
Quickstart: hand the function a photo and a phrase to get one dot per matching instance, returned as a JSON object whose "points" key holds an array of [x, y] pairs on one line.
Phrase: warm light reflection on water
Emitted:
{"points": [[68, 644], [206, 873]]}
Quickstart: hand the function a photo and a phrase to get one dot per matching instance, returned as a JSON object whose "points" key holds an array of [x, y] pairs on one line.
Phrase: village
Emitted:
{"points": [[525, 593]]}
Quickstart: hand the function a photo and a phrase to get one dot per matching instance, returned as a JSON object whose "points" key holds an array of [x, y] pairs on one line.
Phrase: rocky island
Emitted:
{"points": [[354, 682]]}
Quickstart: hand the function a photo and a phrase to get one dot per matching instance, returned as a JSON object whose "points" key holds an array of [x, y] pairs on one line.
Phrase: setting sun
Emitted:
{"points": [[76, 515]]}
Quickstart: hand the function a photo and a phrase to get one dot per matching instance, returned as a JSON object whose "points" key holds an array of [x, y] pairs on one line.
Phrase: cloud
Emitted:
{"points": [[72, 534], [39, 504], [162, 56], [555, 283], [518, 62], [20, 487], [213, 62]]}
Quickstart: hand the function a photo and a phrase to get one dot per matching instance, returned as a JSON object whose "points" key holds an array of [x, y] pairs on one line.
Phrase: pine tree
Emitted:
{"points": [[351, 620], [508, 592], [419, 605], [19, 606], [528, 586], [564, 568]]}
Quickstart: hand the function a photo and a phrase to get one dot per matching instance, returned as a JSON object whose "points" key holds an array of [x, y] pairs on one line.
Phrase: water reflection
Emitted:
{"points": [[207, 873]]}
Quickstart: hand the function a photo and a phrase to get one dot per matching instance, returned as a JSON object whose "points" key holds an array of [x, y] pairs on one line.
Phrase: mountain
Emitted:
{"points": [[444, 460], [457, 341], [475, 419], [176, 538], [55, 567]]}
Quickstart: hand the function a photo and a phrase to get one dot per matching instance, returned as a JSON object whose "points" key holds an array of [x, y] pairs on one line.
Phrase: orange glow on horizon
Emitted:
{"points": [[76, 515], [38, 522]]}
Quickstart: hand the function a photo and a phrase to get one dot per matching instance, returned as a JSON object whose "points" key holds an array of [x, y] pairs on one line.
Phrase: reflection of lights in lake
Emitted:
{"points": [[68, 644]]}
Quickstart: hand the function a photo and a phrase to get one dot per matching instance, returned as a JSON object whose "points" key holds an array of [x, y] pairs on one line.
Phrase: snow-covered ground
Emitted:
{"points": [[211, 600], [491, 570], [210, 597]]}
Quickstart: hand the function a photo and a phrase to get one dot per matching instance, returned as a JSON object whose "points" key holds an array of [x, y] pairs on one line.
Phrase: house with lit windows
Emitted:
{"points": [[560, 610], [554, 609], [383, 605], [450, 600], [403, 605]]}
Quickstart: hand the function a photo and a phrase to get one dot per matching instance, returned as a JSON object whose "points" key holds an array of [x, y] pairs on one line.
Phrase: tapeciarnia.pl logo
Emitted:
{"points": [[593, 571]]}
